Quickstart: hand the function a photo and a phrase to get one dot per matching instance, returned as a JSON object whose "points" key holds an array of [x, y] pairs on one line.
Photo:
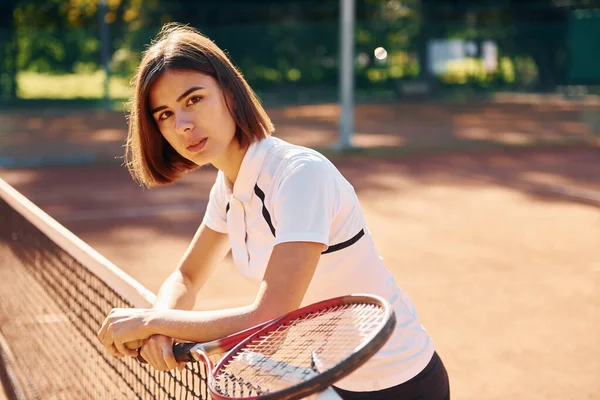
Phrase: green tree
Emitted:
{"points": [[541, 33], [8, 51]]}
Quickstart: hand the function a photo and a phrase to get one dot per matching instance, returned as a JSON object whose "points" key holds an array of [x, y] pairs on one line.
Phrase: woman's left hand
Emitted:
{"points": [[125, 325]]}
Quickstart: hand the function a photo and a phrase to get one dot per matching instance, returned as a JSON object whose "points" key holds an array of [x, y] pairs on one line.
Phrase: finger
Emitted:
{"points": [[102, 332], [168, 356], [153, 355], [144, 354], [105, 334], [159, 363], [109, 345], [181, 366], [113, 350], [121, 348], [156, 345]]}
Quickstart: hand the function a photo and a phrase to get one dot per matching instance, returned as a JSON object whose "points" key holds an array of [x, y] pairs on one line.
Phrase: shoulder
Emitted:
{"points": [[286, 160]]}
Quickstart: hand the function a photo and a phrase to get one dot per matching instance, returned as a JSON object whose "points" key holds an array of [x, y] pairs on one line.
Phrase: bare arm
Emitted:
{"points": [[289, 272], [206, 250]]}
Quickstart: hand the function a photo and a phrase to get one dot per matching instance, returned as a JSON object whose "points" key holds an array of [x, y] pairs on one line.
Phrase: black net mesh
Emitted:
{"points": [[51, 307]]}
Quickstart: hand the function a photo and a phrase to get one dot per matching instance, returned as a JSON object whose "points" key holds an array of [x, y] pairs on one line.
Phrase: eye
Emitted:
{"points": [[193, 100], [164, 115]]}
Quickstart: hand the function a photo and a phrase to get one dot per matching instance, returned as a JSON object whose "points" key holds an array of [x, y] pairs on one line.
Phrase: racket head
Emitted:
{"points": [[304, 351]]}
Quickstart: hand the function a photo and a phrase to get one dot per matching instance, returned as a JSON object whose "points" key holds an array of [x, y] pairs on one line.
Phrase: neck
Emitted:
{"points": [[231, 161]]}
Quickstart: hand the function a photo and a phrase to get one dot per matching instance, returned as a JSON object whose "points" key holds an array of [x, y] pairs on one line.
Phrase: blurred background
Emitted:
{"points": [[469, 130], [76, 56], [289, 50]]}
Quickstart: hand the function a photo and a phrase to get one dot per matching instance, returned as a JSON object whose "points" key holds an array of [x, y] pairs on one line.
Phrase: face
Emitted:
{"points": [[191, 113]]}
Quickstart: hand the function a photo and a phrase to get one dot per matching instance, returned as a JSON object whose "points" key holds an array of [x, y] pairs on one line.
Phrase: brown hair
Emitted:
{"points": [[151, 160]]}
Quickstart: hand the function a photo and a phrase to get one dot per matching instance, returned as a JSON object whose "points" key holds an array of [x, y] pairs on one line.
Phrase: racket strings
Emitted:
{"points": [[298, 350], [239, 387]]}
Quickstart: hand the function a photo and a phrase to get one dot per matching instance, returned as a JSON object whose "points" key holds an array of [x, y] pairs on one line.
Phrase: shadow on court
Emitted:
{"points": [[498, 248], [29, 138]]}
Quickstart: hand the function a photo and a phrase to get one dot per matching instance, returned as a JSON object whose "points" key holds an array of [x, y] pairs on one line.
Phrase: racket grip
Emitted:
{"points": [[181, 351]]}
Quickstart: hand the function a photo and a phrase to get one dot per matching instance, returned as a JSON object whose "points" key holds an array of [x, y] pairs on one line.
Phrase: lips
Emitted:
{"points": [[197, 144]]}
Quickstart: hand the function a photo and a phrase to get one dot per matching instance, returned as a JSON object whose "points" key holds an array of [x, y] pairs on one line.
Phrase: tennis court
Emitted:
{"points": [[498, 247], [476, 129]]}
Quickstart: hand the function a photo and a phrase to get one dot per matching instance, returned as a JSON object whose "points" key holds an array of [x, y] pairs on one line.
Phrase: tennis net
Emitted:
{"points": [[55, 291]]}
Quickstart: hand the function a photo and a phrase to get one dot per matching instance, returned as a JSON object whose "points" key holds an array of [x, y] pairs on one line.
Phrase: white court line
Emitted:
{"points": [[132, 212]]}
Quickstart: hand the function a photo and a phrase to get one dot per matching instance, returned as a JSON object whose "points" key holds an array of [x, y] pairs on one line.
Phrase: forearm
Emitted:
{"points": [[202, 326]]}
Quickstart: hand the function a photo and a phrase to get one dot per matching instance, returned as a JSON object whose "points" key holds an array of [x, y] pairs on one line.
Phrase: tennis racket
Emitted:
{"points": [[298, 354]]}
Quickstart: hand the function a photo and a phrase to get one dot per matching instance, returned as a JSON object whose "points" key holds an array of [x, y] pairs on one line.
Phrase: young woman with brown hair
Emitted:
{"points": [[293, 223]]}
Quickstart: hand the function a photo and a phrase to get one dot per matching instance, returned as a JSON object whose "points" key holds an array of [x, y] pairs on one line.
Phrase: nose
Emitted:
{"points": [[183, 124]]}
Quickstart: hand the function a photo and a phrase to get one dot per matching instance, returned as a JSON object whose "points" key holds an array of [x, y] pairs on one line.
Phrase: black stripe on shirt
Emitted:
{"points": [[330, 249], [265, 212], [347, 243]]}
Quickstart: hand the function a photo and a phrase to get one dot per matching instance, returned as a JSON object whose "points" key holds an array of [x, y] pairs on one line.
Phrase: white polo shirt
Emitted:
{"points": [[287, 193]]}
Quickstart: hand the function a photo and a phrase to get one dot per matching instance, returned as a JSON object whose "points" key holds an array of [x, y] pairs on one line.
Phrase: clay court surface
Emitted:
{"points": [[499, 248]]}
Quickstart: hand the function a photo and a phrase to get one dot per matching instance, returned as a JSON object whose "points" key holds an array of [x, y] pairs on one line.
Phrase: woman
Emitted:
{"points": [[293, 223]]}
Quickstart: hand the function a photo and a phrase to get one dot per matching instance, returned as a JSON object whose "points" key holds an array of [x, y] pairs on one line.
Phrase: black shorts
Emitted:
{"points": [[430, 384]]}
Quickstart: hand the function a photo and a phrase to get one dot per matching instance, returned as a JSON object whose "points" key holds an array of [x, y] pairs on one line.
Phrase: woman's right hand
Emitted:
{"points": [[157, 350]]}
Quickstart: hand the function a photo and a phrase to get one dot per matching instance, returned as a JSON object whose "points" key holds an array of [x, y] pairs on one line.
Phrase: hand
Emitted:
{"points": [[158, 352], [124, 325]]}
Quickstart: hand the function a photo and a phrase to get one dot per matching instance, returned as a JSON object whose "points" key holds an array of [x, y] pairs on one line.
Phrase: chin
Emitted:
{"points": [[203, 158], [199, 160]]}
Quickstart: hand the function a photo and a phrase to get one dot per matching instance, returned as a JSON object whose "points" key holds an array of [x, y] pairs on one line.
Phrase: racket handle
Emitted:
{"points": [[181, 351]]}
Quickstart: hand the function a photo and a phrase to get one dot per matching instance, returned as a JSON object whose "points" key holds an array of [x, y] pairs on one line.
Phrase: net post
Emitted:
{"points": [[346, 71]]}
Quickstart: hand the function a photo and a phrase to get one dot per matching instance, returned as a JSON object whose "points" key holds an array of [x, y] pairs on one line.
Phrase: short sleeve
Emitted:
{"points": [[215, 216], [305, 200]]}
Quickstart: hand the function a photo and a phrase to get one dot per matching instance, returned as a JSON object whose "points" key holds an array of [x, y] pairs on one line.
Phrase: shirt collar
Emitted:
{"points": [[249, 170]]}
